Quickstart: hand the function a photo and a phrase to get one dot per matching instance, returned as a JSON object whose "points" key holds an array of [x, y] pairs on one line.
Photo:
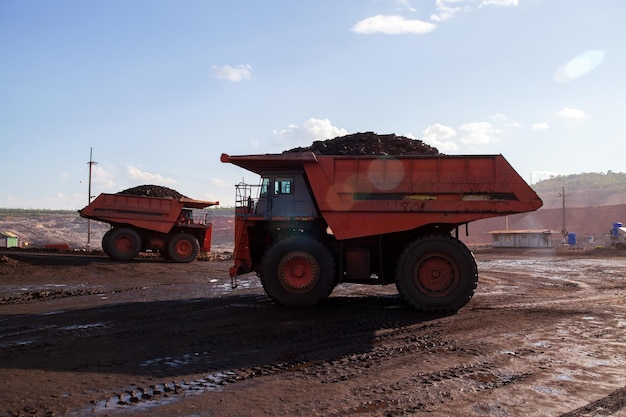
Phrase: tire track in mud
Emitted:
{"points": [[369, 334], [336, 355], [330, 353]]}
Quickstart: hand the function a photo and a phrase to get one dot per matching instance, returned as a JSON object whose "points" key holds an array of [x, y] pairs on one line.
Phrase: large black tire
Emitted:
{"points": [[123, 244], [105, 241], [165, 255], [182, 248], [298, 272], [436, 273]]}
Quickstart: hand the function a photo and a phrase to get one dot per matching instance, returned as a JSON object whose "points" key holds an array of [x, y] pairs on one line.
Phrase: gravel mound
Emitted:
{"points": [[368, 143], [152, 191]]}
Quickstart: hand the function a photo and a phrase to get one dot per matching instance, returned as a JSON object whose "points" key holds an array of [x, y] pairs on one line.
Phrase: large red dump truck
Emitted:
{"points": [[175, 227], [315, 221]]}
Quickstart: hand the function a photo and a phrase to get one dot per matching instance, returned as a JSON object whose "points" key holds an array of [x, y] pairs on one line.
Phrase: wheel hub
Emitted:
{"points": [[124, 244], [183, 248], [436, 275], [298, 271]]}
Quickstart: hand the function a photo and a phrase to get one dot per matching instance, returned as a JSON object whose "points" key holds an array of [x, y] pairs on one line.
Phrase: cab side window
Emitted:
{"points": [[283, 186]]}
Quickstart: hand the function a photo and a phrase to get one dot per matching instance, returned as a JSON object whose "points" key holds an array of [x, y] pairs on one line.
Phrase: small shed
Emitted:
{"points": [[537, 238], [8, 240]]}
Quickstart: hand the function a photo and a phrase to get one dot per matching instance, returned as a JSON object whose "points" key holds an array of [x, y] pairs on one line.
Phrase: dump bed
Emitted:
{"points": [[371, 195], [151, 213]]}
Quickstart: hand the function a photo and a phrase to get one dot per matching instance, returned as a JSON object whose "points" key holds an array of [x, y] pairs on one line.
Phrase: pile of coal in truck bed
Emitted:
{"points": [[152, 191], [368, 143]]}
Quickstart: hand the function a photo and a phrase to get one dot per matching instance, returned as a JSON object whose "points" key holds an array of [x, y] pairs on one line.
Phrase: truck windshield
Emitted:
{"points": [[265, 184]]}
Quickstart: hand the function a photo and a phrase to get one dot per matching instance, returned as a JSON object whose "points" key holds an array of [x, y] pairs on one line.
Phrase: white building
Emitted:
{"points": [[8, 240], [522, 238]]}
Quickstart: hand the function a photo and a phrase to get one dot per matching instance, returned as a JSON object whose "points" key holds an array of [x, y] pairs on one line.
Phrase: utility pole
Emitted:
{"points": [[91, 163], [564, 230]]}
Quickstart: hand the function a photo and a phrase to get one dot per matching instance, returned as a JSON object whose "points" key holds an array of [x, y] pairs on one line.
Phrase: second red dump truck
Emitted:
{"points": [[177, 228], [319, 220]]}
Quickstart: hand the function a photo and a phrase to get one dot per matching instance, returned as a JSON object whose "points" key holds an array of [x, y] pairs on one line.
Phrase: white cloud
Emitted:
{"points": [[540, 126], [571, 113], [392, 25], [536, 176], [447, 9], [313, 129], [135, 174], [500, 3], [110, 178], [436, 136], [406, 4], [255, 143], [479, 133], [505, 121], [103, 176], [234, 74], [218, 182]]}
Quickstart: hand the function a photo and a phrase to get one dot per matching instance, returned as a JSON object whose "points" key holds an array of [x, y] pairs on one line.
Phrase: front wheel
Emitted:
{"points": [[436, 273], [123, 244], [182, 247], [298, 272], [105, 241]]}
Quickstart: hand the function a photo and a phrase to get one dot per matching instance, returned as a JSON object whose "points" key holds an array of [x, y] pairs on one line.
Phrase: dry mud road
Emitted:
{"points": [[545, 335]]}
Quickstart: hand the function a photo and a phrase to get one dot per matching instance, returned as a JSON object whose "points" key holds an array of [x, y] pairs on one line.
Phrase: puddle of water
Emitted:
{"points": [[547, 390], [171, 362], [83, 326]]}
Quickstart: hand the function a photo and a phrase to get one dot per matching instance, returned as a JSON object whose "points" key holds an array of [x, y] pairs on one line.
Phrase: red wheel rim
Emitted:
{"points": [[298, 271], [183, 248], [436, 275], [124, 244]]}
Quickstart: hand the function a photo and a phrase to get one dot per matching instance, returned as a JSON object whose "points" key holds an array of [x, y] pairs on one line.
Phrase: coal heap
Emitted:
{"points": [[152, 191], [368, 143]]}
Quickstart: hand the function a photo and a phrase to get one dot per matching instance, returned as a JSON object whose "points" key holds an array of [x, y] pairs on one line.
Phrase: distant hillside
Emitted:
{"points": [[583, 190]]}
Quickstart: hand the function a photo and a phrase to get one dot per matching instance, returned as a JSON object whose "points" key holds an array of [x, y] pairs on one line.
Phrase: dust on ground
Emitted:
{"points": [[545, 335]]}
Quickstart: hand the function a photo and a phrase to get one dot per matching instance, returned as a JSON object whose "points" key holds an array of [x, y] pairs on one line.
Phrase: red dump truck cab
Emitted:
{"points": [[318, 220], [177, 228]]}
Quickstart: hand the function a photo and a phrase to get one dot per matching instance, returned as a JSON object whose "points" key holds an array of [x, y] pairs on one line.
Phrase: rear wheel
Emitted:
{"points": [[164, 254], [182, 247], [123, 244], [298, 272], [436, 273]]}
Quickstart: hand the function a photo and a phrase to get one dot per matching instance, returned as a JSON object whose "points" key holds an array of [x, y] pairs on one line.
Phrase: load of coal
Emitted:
{"points": [[368, 143], [152, 191]]}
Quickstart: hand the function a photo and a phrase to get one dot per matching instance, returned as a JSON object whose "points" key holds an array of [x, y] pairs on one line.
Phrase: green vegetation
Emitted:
{"points": [[33, 212], [611, 181]]}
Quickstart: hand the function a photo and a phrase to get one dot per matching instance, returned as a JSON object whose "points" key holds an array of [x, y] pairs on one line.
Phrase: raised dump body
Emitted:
{"points": [[176, 228], [318, 220]]}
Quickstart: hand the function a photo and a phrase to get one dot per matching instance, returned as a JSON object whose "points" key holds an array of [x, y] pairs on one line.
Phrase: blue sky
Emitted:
{"points": [[159, 89]]}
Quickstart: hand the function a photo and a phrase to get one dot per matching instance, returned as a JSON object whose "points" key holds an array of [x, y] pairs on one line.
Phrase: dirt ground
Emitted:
{"points": [[545, 335]]}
